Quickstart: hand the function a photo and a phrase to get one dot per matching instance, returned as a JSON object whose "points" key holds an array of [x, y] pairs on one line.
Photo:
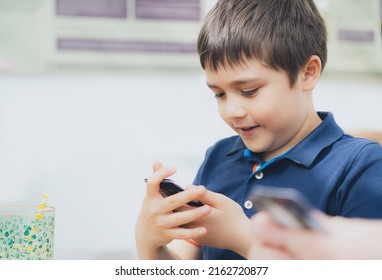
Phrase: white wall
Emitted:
{"points": [[89, 141], [354, 99]]}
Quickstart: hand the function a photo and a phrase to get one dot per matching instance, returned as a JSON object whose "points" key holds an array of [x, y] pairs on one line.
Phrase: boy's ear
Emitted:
{"points": [[311, 73]]}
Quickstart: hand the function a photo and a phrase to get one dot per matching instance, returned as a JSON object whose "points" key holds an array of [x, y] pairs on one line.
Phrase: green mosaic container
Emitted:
{"points": [[26, 233]]}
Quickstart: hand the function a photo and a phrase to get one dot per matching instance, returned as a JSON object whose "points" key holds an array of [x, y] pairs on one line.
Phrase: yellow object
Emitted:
{"points": [[42, 205]]}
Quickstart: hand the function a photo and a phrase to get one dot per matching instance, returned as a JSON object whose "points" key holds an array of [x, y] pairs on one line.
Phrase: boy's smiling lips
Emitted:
{"points": [[247, 130]]}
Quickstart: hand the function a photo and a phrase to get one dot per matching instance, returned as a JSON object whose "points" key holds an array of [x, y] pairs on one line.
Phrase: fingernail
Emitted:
{"points": [[202, 231]]}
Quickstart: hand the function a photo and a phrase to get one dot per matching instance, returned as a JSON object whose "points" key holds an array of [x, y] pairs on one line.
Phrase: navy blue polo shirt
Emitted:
{"points": [[338, 173]]}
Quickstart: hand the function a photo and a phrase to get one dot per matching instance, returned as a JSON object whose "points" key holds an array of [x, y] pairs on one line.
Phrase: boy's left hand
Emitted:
{"points": [[227, 225]]}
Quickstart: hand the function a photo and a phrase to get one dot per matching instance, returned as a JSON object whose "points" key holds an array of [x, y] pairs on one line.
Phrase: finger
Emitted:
{"points": [[268, 231], [185, 233], [263, 224], [177, 219], [305, 244], [180, 199], [261, 218], [290, 241], [154, 179], [212, 198]]}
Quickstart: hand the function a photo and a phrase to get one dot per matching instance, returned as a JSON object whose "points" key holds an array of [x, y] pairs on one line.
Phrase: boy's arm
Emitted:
{"points": [[175, 250], [184, 250]]}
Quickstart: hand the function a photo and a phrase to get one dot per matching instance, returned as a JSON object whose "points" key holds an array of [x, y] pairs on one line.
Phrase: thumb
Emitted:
{"points": [[212, 198]]}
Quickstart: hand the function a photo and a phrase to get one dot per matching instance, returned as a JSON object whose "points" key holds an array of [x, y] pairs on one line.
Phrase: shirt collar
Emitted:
{"points": [[323, 136], [236, 147], [308, 149]]}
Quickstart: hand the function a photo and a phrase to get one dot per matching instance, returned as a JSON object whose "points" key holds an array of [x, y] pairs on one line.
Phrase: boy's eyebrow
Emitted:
{"points": [[236, 83]]}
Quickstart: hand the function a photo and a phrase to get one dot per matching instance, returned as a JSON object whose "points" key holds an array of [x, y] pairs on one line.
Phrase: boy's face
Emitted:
{"points": [[260, 105]]}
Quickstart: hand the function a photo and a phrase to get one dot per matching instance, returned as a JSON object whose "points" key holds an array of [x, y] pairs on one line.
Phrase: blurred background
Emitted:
{"points": [[93, 91]]}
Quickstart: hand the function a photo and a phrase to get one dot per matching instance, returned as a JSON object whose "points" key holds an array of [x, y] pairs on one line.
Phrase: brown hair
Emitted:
{"points": [[280, 33]]}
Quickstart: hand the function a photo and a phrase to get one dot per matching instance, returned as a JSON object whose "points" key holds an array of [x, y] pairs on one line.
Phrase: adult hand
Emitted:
{"points": [[344, 238]]}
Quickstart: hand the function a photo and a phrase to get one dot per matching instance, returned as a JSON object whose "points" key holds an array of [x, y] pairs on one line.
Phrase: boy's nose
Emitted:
{"points": [[235, 109]]}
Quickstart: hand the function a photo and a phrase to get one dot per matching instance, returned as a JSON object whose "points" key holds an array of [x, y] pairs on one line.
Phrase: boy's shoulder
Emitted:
{"points": [[358, 142], [350, 148]]}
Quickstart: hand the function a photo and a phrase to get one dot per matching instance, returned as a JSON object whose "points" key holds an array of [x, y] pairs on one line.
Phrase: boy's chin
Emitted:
{"points": [[254, 148]]}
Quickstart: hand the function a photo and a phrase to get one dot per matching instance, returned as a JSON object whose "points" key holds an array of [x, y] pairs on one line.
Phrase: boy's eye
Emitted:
{"points": [[219, 95], [249, 92]]}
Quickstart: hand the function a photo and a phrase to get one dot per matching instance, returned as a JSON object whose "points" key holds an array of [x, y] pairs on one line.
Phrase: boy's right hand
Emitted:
{"points": [[158, 223]]}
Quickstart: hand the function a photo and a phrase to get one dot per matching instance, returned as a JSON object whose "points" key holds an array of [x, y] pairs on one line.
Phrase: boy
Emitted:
{"points": [[262, 59]]}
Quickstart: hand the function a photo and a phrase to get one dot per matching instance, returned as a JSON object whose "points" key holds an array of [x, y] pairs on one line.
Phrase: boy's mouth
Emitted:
{"points": [[247, 130]]}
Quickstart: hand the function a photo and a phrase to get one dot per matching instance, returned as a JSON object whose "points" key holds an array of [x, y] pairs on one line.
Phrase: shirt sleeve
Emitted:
{"points": [[361, 193]]}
